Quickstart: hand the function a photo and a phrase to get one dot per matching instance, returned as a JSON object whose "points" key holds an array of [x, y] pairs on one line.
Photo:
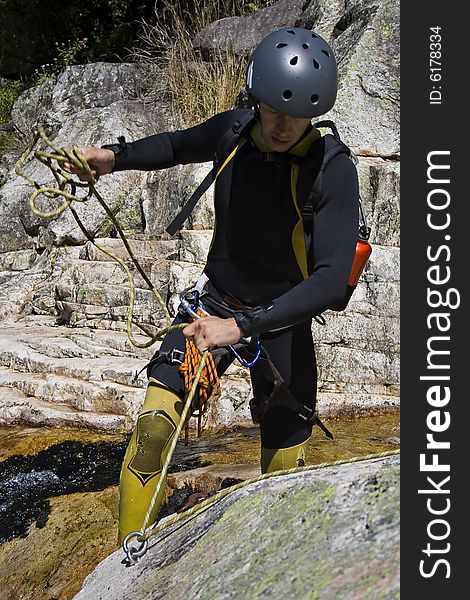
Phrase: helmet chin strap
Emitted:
{"points": [[255, 102]]}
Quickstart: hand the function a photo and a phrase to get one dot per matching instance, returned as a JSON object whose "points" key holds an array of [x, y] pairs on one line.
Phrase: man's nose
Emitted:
{"points": [[284, 122]]}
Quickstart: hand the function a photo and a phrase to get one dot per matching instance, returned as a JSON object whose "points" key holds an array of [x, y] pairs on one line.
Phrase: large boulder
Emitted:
{"points": [[364, 35], [332, 533], [241, 34], [87, 105]]}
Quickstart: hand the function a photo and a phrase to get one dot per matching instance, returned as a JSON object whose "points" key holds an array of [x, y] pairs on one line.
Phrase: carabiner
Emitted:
{"points": [[244, 362]]}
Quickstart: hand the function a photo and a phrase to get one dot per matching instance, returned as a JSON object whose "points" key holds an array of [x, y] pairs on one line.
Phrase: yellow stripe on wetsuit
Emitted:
{"points": [[300, 149]]}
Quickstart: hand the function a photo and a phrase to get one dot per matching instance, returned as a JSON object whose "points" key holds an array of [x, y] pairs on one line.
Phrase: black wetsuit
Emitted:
{"points": [[258, 257]]}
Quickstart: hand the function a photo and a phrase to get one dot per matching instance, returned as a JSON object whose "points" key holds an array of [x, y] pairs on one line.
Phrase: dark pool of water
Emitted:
{"points": [[28, 482]]}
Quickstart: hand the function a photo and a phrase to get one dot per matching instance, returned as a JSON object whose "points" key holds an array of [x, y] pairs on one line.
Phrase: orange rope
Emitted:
{"points": [[209, 383]]}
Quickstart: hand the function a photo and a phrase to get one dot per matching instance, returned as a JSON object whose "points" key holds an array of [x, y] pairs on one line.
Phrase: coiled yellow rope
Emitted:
{"points": [[66, 189]]}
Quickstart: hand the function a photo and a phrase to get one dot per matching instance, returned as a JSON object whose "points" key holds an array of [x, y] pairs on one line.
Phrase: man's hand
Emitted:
{"points": [[209, 332], [101, 161]]}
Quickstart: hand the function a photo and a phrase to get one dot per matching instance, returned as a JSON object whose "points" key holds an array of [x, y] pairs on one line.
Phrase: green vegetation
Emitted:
{"points": [[9, 92], [197, 86], [66, 54], [32, 30], [8, 95]]}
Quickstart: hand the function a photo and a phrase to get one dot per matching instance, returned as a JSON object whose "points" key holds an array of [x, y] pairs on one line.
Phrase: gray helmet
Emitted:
{"points": [[294, 72]]}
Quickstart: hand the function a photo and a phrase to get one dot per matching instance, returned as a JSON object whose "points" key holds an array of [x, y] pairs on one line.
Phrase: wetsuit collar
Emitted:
{"points": [[299, 149]]}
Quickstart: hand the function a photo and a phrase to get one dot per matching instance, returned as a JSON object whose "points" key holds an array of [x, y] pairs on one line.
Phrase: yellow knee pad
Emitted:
{"points": [[146, 455], [281, 459]]}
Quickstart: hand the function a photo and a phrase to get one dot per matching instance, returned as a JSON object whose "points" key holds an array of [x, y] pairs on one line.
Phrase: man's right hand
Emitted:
{"points": [[101, 161]]}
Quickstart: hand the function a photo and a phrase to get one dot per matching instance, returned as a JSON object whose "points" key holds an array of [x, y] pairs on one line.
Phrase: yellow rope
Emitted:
{"points": [[199, 508], [64, 180], [161, 480]]}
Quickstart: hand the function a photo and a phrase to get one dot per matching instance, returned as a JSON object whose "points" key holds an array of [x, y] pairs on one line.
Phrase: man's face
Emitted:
{"points": [[279, 131]]}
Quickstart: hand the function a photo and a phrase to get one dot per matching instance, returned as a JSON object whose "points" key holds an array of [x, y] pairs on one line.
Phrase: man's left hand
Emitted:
{"points": [[210, 332]]}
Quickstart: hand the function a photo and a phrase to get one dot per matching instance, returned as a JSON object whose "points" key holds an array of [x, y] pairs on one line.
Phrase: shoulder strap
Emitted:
{"points": [[224, 147], [314, 165], [310, 181], [231, 136]]}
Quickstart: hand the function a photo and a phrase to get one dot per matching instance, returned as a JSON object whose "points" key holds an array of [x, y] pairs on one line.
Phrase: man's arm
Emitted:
{"points": [[334, 240], [162, 150]]}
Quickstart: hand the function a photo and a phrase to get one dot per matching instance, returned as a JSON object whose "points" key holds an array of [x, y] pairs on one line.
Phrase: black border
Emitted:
{"points": [[429, 127]]}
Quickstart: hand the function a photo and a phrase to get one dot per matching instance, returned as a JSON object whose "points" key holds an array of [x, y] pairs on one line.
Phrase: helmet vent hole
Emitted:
{"points": [[287, 94], [314, 99], [314, 35], [326, 53], [281, 45], [294, 61], [291, 31], [305, 46], [316, 65]]}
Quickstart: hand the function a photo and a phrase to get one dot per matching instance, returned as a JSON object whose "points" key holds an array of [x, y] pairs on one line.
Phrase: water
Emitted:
{"points": [[27, 482], [38, 464]]}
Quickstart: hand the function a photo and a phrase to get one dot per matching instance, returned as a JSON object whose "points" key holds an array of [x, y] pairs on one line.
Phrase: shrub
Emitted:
{"points": [[196, 88], [8, 95], [66, 54]]}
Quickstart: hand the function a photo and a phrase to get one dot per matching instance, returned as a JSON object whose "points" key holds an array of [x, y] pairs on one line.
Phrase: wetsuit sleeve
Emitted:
{"points": [[162, 150], [334, 241]]}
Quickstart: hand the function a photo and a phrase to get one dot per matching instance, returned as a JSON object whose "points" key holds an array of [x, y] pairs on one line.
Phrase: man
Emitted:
{"points": [[257, 266]]}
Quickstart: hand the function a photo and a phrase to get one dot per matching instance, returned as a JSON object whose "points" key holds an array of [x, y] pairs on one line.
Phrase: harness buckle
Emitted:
{"points": [[175, 357]]}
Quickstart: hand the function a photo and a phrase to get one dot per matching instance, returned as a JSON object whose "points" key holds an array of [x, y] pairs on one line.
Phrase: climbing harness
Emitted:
{"points": [[142, 537], [192, 308], [191, 304]]}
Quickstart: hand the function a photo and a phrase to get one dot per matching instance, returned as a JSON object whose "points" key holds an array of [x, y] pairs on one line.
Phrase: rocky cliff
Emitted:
{"points": [[63, 304]]}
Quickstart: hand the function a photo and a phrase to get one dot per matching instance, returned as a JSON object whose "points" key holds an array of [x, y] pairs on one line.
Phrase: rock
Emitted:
{"points": [[332, 532], [57, 376], [168, 190], [364, 35], [87, 105], [241, 34], [61, 376], [68, 548], [195, 245]]}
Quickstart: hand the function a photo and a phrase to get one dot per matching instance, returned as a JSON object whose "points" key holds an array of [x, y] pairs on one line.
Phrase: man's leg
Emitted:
{"points": [[284, 433], [146, 455], [282, 459], [148, 448]]}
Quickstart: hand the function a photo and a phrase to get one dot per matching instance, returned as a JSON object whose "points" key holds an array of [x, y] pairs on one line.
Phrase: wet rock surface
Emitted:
{"points": [[59, 499], [28, 483], [332, 533]]}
